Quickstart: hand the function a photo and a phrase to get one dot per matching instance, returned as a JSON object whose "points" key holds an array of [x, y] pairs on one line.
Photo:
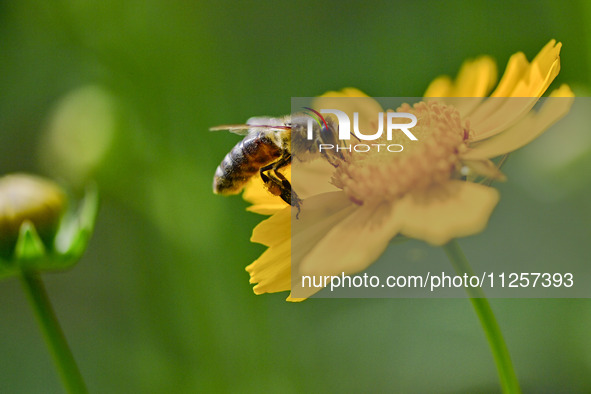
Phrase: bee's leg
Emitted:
{"points": [[331, 161], [275, 185], [270, 181], [334, 158], [286, 186]]}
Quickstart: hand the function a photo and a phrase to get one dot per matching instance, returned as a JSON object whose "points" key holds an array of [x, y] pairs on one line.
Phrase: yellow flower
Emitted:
{"points": [[430, 193]]}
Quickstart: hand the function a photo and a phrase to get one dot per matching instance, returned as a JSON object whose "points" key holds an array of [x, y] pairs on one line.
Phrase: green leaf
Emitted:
{"points": [[29, 246], [75, 230], [89, 209], [75, 250]]}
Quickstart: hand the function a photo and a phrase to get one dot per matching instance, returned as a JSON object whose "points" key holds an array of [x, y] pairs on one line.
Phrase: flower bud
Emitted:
{"points": [[28, 198]]}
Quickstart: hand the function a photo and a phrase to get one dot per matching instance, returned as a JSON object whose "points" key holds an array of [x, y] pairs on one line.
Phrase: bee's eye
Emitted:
{"points": [[327, 136]]}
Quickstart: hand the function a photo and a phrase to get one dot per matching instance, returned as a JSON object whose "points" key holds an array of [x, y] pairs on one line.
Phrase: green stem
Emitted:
{"points": [[54, 337], [487, 319]]}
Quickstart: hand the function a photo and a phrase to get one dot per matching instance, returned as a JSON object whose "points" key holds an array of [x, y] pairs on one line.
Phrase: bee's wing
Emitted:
{"points": [[266, 121], [254, 125], [240, 129]]}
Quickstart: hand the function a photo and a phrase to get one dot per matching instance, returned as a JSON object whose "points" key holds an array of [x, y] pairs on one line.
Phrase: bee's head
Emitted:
{"points": [[329, 131], [309, 134], [329, 134]]}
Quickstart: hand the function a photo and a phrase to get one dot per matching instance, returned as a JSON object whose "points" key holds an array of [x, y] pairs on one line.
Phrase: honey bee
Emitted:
{"points": [[268, 146]]}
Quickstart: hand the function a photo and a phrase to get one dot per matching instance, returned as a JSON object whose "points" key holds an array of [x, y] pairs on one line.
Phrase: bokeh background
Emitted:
{"points": [[124, 92]]}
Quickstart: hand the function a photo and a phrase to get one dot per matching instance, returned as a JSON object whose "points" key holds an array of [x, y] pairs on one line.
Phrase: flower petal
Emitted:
{"points": [[346, 92], [319, 215], [516, 69], [440, 87], [272, 270], [312, 177], [544, 68], [457, 209], [523, 79], [475, 79], [266, 209], [274, 230], [526, 130], [355, 242], [263, 202], [498, 114]]}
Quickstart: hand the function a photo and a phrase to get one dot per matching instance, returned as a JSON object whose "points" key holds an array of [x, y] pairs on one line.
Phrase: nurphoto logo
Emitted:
{"points": [[344, 129]]}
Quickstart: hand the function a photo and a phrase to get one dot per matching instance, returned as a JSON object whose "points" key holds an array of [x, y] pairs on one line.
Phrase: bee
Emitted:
{"points": [[268, 146]]}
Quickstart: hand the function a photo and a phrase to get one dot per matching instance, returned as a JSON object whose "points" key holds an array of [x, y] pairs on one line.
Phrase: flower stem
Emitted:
{"points": [[54, 337], [487, 319]]}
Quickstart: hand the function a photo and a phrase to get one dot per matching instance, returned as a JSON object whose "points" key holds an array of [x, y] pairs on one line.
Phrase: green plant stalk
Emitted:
{"points": [[54, 337], [509, 381]]}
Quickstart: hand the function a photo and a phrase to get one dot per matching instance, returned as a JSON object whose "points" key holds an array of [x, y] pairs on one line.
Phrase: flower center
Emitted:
{"points": [[388, 175]]}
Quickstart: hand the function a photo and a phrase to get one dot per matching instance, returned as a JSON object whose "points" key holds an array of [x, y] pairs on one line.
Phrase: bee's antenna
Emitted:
{"points": [[317, 117]]}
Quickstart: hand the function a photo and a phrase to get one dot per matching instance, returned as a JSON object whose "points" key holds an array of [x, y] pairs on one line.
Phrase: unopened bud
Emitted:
{"points": [[28, 198]]}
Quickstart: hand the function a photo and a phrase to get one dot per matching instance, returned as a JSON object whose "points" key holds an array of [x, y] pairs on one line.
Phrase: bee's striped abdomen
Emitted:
{"points": [[245, 160]]}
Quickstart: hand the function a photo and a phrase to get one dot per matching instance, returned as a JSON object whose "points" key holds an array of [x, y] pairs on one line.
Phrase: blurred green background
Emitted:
{"points": [[124, 92]]}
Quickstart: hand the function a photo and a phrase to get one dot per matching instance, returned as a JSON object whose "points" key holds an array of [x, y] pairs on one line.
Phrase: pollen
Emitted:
{"points": [[432, 159]]}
